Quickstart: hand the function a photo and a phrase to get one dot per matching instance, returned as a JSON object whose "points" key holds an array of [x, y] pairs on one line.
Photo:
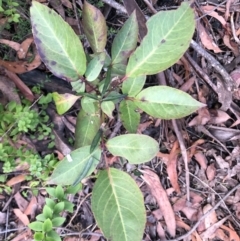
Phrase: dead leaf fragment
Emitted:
{"points": [[15, 180], [24, 46], [206, 39], [161, 197], [22, 217]]}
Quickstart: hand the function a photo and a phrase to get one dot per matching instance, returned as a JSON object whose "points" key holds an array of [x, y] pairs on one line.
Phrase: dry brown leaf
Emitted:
{"points": [[22, 52], [31, 208], [211, 231], [3, 218], [202, 118], [11, 44], [193, 147], [67, 4], [23, 217], [211, 172], [162, 199], [218, 117], [16, 179], [232, 233], [188, 84], [201, 159], [22, 203], [161, 232], [230, 44], [211, 219], [209, 10], [143, 126], [219, 233], [21, 67], [27, 93], [172, 166], [206, 39]]}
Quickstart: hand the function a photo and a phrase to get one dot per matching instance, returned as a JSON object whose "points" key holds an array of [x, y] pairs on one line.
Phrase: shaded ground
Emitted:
{"points": [[207, 141]]}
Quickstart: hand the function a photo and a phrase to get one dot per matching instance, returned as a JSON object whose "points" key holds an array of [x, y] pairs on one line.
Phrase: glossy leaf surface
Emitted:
{"points": [[73, 165], [125, 41], [166, 103], [58, 46], [117, 204], [129, 116], [108, 107], [168, 37], [132, 86], [95, 66], [64, 102], [135, 148], [86, 128], [94, 26]]}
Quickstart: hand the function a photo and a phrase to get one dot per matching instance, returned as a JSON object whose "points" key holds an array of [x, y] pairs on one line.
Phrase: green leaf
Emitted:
{"points": [[166, 102], [108, 107], [117, 205], [36, 226], [168, 37], [71, 167], [86, 128], [74, 189], [129, 115], [58, 46], [38, 236], [47, 225], [135, 148], [95, 66], [41, 217], [47, 212], [64, 102], [52, 236], [56, 222], [68, 205], [132, 86], [125, 41], [94, 26], [50, 203], [59, 193], [59, 207], [89, 105]]}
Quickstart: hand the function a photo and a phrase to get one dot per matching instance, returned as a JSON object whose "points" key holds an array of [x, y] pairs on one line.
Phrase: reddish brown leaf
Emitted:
{"points": [[201, 159], [206, 40], [16, 179], [11, 44], [232, 233], [22, 52], [211, 172], [23, 217], [27, 93], [162, 199], [172, 166]]}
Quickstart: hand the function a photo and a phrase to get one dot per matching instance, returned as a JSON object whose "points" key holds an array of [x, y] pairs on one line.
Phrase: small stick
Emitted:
{"points": [[228, 81], [115, 5], [233, 30], [205, 215], [150, 6], [200, 72], [184, 156]]}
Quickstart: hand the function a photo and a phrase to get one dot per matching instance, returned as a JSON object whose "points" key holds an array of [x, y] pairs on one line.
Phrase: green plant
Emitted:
{"points": [[117, 202], [51, 218], [15, 120], [9, 9]]}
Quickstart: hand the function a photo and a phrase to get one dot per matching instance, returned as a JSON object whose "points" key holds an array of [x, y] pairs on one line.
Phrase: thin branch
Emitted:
{"points": [[115, 5], [184, 156]]}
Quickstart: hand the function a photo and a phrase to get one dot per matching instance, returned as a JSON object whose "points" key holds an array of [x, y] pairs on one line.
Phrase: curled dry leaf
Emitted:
{"points": [[218, 116], [209, 10], [211, 218], [211, 172], [23, 217], [201, 159], [11, 44], [24, 46], [206, 39], [232, 233], [193, 148], [202, 118], [161, 197]]}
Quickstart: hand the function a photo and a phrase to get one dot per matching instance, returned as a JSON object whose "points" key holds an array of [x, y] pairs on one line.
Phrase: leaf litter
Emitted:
{"points": [[213, 210]]}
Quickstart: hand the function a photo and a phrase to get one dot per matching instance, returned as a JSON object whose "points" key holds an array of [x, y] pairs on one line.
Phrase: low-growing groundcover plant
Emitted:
{"points": [[106, 80]]}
